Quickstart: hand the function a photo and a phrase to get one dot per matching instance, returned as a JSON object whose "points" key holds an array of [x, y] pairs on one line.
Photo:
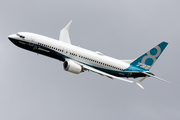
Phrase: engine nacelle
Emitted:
{"points": [[73, 67]]}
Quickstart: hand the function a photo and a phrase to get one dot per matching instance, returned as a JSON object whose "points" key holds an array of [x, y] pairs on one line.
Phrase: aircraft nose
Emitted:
{"points": [[11, 36]]}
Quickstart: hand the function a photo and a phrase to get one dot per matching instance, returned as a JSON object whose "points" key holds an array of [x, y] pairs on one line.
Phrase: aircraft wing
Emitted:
{"points": [[105, 74]]}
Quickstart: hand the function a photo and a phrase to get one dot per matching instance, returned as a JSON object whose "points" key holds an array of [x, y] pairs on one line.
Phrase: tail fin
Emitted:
{"points": [[146, 60]]}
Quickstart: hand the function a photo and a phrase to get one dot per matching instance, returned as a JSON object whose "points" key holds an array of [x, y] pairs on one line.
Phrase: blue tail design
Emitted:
{"points": [[146, 60]]}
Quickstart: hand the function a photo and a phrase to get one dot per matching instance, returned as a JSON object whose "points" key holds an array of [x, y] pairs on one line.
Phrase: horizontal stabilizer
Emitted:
{"points": [[151, 75]]}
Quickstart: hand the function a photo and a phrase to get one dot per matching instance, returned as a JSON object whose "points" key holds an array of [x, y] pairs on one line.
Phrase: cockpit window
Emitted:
{"points": [[20, 36]]}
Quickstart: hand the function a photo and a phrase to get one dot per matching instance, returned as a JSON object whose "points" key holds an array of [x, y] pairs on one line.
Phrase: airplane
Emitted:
{"points": [[77, 60]]}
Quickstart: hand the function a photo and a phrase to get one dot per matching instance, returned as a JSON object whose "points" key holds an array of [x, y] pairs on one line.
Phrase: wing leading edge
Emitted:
{"points": [[85, 67], [105, 74], [112, 76]]}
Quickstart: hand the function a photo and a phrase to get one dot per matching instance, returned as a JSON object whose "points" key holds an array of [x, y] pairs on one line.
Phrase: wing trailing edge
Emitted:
{"points": [[113, 77], [105, 74]]}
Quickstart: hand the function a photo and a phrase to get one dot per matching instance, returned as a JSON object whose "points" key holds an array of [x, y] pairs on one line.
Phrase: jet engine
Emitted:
{"points": [[73, 67]]}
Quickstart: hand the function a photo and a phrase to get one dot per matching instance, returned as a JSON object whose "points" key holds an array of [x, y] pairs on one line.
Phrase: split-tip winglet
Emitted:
{"points": [[68, 25], [139, 81]]}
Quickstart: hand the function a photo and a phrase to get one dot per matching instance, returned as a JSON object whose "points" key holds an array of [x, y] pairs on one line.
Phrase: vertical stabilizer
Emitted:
{"points": [[146, 60], [64, 34]]}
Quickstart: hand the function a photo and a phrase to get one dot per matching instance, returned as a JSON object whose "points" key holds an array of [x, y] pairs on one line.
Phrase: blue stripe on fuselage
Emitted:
{"points": [[38, 49], [54, 54]]}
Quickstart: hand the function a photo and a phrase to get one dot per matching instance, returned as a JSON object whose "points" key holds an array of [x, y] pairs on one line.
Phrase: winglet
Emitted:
{"points": [[64, 34], [138, 82], [67, 26]]}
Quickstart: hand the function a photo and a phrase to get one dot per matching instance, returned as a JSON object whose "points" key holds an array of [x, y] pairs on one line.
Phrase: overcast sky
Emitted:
{"points": [[35, 87]]}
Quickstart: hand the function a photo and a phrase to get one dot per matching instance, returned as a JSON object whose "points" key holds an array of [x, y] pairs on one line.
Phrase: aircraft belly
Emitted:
{"points": [[119, 73], [39, 49], [56, 55]]}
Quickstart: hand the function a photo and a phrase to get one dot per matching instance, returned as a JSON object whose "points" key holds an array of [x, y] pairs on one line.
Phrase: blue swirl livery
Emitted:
{"points": [[77, 60], [146, 60]]}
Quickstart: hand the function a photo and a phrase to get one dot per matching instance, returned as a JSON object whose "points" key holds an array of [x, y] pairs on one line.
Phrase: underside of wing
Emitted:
{"points": [[105, 74]]}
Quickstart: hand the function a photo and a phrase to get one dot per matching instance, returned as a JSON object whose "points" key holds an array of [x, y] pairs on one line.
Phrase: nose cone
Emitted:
{"points": [[13, 36]]}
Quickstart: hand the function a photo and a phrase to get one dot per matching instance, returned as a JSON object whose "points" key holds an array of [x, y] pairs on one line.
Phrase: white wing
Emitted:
{"points": [[105, 74]]}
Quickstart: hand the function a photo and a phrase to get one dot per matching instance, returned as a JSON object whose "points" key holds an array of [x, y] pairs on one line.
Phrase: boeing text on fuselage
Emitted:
{"points": [[77, 59]]}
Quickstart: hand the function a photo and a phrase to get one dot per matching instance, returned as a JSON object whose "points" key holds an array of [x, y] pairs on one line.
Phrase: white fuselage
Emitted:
{"points": [[77, 59], [62, 51], [79, 54]]}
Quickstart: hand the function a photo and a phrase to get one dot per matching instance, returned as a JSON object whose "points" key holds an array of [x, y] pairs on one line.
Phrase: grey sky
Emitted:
{"points": [[37, 87]]}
